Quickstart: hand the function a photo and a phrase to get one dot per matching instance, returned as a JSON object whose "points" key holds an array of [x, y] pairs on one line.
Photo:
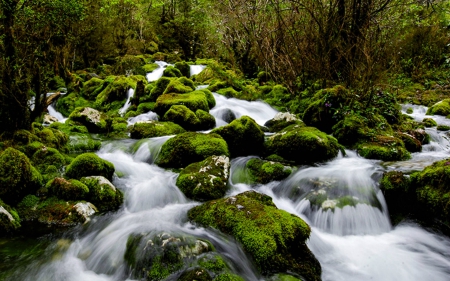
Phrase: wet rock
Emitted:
{"points": [[89, 164], [152, 128], [48, 119], [282, 120], [102, 193]]}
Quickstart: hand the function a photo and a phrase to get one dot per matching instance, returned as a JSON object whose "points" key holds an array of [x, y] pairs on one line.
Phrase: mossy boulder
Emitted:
{"points": [[194, 100], [151, 129], [186, 118], [171, 71], [243, 136], [17, 176], [440, 108], [91, 118], [113, 96], [205, 180], [89, 164], [384, 148], [67, 189], [49, 162], [181, 85], [303, 145], [79, 139], [429, 122], [399, 195], [102, 193], [184, 68], [160, 87], [51, 137], [443, 128], [262, 171], [411, 143], [158, 256], [67, 103], [274, 238], [190, 147], [281, 121], [9, 220]]}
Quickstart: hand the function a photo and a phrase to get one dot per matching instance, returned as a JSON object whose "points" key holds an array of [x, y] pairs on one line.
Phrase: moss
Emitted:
{"points": [[443, 128], [384, 148], [206, 120], [278, 97], [197, 273], [212, 262], [89, 164], [411, 143], [193, 100], [31, 148], [209, 97], [9, 220], [67, 103], [274, 238], [205, 180], [23, 137], [228, 92], [186, 118], [17, 177], [171, 71], [48, 156], [67, 189], [440, 108], [303, 145], [265, 171], [79, 138], [129, 64], [243, 136], [92, 119], [52, 137], [429, 122], [102, 193], [113, 96], [150, 67], [190, 147], [281, 121], [180, 86], [409, 110], [160, 87], [218, 85], [184, 68], [151, 129], [92, 88], [228, 277]]}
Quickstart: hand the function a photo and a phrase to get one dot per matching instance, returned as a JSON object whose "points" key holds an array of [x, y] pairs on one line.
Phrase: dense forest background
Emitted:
{"points": [[306, 45]]}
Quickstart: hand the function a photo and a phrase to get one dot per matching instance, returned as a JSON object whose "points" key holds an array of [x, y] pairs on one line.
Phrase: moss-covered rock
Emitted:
{"points": [[79, 139], [51, 137], [89, 164], [429, 122], [384, 148], [67, 103], [190, 147], [228, 277], [9, 220], [102, 193], [440, 108], [400, 197], [197, 273], [205, 180], [303, 145], [409, 110], [17, 176], [194, 100], [443, 128], [160, 87], [157, 256], [263, 172], [243, 136], [281, 121], [411, 143], [181, 85], [274, 238], [171, 71], [186, 118], [92, 119], [48, 157], [67, 189], [151, 129], [184, 68]]}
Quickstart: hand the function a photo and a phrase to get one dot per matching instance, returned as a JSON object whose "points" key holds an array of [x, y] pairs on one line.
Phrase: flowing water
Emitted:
{"points": [[352, 236], [127, 104]]}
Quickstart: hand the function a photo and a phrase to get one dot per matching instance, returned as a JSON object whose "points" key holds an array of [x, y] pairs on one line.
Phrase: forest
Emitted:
{"points": [[279, 140]]}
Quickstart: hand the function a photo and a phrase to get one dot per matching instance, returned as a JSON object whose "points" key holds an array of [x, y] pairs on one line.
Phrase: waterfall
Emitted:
{"points": [[127, 104], [157, 73]]}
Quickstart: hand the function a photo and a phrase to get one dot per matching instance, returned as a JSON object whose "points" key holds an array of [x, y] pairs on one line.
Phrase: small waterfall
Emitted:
{"points": [[196, 69], [157, 73], [142, 117], [260, 111], [128, 102]]}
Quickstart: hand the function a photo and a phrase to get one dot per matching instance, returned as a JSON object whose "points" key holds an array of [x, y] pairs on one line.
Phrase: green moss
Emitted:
{"points": [[265, 171], [144, 108], [440, 108], [92, 119], [150, 129], [206, 120], [9, 220], [278, 97], [159, 88], [193, 100], [409, 110], [281, 121], [228, 277], [150, 67], [384, 148], [180, 86], [92, 88], [190, 147], [429, 122], [89, 164], [52, 137], [171, 71], [67, 103], [411, 143], [104, 195], [17, 177], [186, 118], [303, 145], [228, 92], [209, 97], [212, 262], [274, 238], [243, 136], [184, 68], [205, 180], [197, 273], [443, 128], [67, 189]]}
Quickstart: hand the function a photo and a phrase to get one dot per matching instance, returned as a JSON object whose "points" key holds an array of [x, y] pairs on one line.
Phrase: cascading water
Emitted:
{"points": [[157, 73], [196, 69], [351, 234], [127, 104]]}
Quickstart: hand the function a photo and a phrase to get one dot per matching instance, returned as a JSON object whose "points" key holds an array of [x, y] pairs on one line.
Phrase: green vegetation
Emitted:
{"points": [[89, 164], [151, 129], [266, 171]]}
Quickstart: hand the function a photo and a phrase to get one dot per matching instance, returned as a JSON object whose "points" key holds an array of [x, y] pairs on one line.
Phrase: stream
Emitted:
{"points": [[352, 243]]}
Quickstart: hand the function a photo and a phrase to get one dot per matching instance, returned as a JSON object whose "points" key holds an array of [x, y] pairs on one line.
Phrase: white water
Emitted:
{"points": [[196, 69], [352, 243], [142, 117], [53, 112], [127, 104], [157, 73]]}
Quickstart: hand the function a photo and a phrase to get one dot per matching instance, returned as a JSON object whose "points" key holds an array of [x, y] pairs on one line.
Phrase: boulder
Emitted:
{"points": [[282, 120], [384, 148], [262, 171], [89, 164], [102, 193], [48, 119], [181, 85], [429, 122], [67, 189], [194, 100], [205, 180], [9, 220], [151, 129], [89, 117], [440, 108], [190, 147], [79, 139], [186, 118], [243, 136], [303, 145], [274, 238]]}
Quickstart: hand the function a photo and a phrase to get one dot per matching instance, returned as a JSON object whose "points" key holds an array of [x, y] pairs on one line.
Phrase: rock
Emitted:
{"points": [[190, 147], [171, 71], [263, 172], [303, 145], [45, 157], [274, 238], [440, 108], [79, 139], [205, 180], [152, 128], [48, 119], [102, 193], [384, 148], [411, 143], [17, 176], [197, 273], [186, 118], [181, 85], [194, 100], [86, 210], [429, 122], [159, 88], [9, 220], [443, 128], [89, 164], [282, 120], [67, 189], [90, 118], [184, 68], [243, 136]]}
